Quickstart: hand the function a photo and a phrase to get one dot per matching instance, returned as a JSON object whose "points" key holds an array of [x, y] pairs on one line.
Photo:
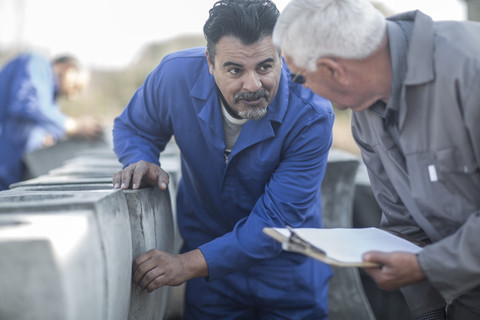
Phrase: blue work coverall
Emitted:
{"points": [[272, 179], [28, 112]]}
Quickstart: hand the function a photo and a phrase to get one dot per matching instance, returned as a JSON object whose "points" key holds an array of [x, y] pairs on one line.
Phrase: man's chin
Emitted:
{"points": [[253, 113]]}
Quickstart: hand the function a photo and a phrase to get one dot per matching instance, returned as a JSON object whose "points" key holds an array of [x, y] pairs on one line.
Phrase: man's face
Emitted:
{"points": [[247, 75], [72, 82], [345, 93]]}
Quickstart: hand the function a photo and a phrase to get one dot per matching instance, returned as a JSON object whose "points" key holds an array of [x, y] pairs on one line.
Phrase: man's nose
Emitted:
{"points": [[252, 82]]}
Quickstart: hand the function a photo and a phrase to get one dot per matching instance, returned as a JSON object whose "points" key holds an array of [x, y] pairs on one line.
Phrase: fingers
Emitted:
{"points": [[376, 257], [154, 279], [122, 178], [149, 270], [163, 179], [397, 269], [141, 174]]}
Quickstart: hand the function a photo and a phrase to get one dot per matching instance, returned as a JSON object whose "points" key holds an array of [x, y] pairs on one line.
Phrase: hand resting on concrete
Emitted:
{"points": [[155, 269], [139, 175]]}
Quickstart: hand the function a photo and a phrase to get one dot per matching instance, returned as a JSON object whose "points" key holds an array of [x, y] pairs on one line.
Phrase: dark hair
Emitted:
{"points": [[247, 20], [66, 59]]}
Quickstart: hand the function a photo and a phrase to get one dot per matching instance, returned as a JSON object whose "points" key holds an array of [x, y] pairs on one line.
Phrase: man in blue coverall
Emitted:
{"points": [[29, 115], [254, 150]]}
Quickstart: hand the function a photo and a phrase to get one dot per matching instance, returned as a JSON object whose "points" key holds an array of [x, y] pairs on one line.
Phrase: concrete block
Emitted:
{"points": [[367, 213], [86, 160], [85, 171], [47, 180], [152, 227], [66, 187], [105, 217], [338, 189], [171, 165], [51, 267], [41, 161], [346, 296]]}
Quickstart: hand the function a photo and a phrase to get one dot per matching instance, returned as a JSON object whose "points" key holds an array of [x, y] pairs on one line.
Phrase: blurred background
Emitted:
{"points": [[121, 41]]}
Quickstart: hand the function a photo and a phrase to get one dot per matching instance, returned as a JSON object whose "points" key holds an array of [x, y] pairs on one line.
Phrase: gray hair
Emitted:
{"points": [[310, 29]]}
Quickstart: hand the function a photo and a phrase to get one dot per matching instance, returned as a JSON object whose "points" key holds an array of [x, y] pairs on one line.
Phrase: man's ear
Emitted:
{"points": [[334, 69], [209, 61]]}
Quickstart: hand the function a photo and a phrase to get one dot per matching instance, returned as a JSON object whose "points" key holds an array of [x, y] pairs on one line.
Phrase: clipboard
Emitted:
{"points": [[294, 242]]}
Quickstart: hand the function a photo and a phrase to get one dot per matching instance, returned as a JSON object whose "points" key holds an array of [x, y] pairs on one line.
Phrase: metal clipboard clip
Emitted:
{"points": [[296, 244]]}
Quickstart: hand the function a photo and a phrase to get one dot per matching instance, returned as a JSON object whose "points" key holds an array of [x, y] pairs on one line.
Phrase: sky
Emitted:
{"points": [[111, 33]]}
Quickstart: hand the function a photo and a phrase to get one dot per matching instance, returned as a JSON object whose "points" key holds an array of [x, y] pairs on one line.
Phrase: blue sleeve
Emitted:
{"points": [[291, 197], [142, 130], [33, 105]]}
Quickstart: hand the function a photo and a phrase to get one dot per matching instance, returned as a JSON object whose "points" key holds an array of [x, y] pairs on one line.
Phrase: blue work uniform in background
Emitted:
{"points": [[28, 112], [272, 179]]}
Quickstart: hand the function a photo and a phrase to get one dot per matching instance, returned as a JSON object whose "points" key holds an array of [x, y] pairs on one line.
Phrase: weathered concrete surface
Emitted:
{"points": [[47, 180], [66, 177], [51, 267], [83, 159], [41, 161], [367, 213], [346, 296], [152, 226], [85, 171], [106, 213], [151, 222], [65, 187], [338, 189]]}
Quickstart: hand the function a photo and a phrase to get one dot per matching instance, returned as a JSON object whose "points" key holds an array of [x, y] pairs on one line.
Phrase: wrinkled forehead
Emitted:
{"points": [[231, 49]]}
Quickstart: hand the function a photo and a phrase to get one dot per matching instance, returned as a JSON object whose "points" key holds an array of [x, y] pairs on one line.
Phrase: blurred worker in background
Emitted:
{"points": [[30, 117]]}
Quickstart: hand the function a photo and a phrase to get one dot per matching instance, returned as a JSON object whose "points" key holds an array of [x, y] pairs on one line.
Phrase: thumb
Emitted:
{"points": [[375, 256]]}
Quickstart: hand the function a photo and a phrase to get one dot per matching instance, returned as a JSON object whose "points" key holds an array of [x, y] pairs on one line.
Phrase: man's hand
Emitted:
{"points": [[155, 269], [141, 174], [397, 269]]}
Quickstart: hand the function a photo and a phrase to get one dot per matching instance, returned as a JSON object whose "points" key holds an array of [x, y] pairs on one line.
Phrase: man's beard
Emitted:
{"points": [[254, 112]]}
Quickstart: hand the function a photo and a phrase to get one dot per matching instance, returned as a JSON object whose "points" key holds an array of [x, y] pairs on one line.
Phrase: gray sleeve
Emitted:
{"points": [[452, 265]]}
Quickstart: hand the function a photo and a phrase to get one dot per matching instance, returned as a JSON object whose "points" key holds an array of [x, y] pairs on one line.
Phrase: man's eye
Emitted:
{"points": [[234, 71], [265, 67]]}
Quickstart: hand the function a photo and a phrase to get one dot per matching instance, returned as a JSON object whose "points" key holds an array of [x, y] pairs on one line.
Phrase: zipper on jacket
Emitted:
{"points": [[226, 154]]}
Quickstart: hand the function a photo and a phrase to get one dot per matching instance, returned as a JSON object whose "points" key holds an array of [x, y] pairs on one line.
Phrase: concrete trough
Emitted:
{"points": [[51, 267], [65, 187], [85, 160], [48, 180], [43, 160], [85, 171], [84, 243], [152, 226]]}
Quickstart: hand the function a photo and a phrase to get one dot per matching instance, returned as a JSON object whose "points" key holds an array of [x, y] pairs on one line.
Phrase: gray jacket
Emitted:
{"points": [[439, 115]]}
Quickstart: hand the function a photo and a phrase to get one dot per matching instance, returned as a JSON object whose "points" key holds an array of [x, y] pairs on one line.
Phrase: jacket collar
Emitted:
{"points": [[420, 52]]}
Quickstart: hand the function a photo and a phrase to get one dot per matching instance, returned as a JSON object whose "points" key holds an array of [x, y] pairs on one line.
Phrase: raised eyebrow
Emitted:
{"points": [[230, 63], [268, 60]]}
